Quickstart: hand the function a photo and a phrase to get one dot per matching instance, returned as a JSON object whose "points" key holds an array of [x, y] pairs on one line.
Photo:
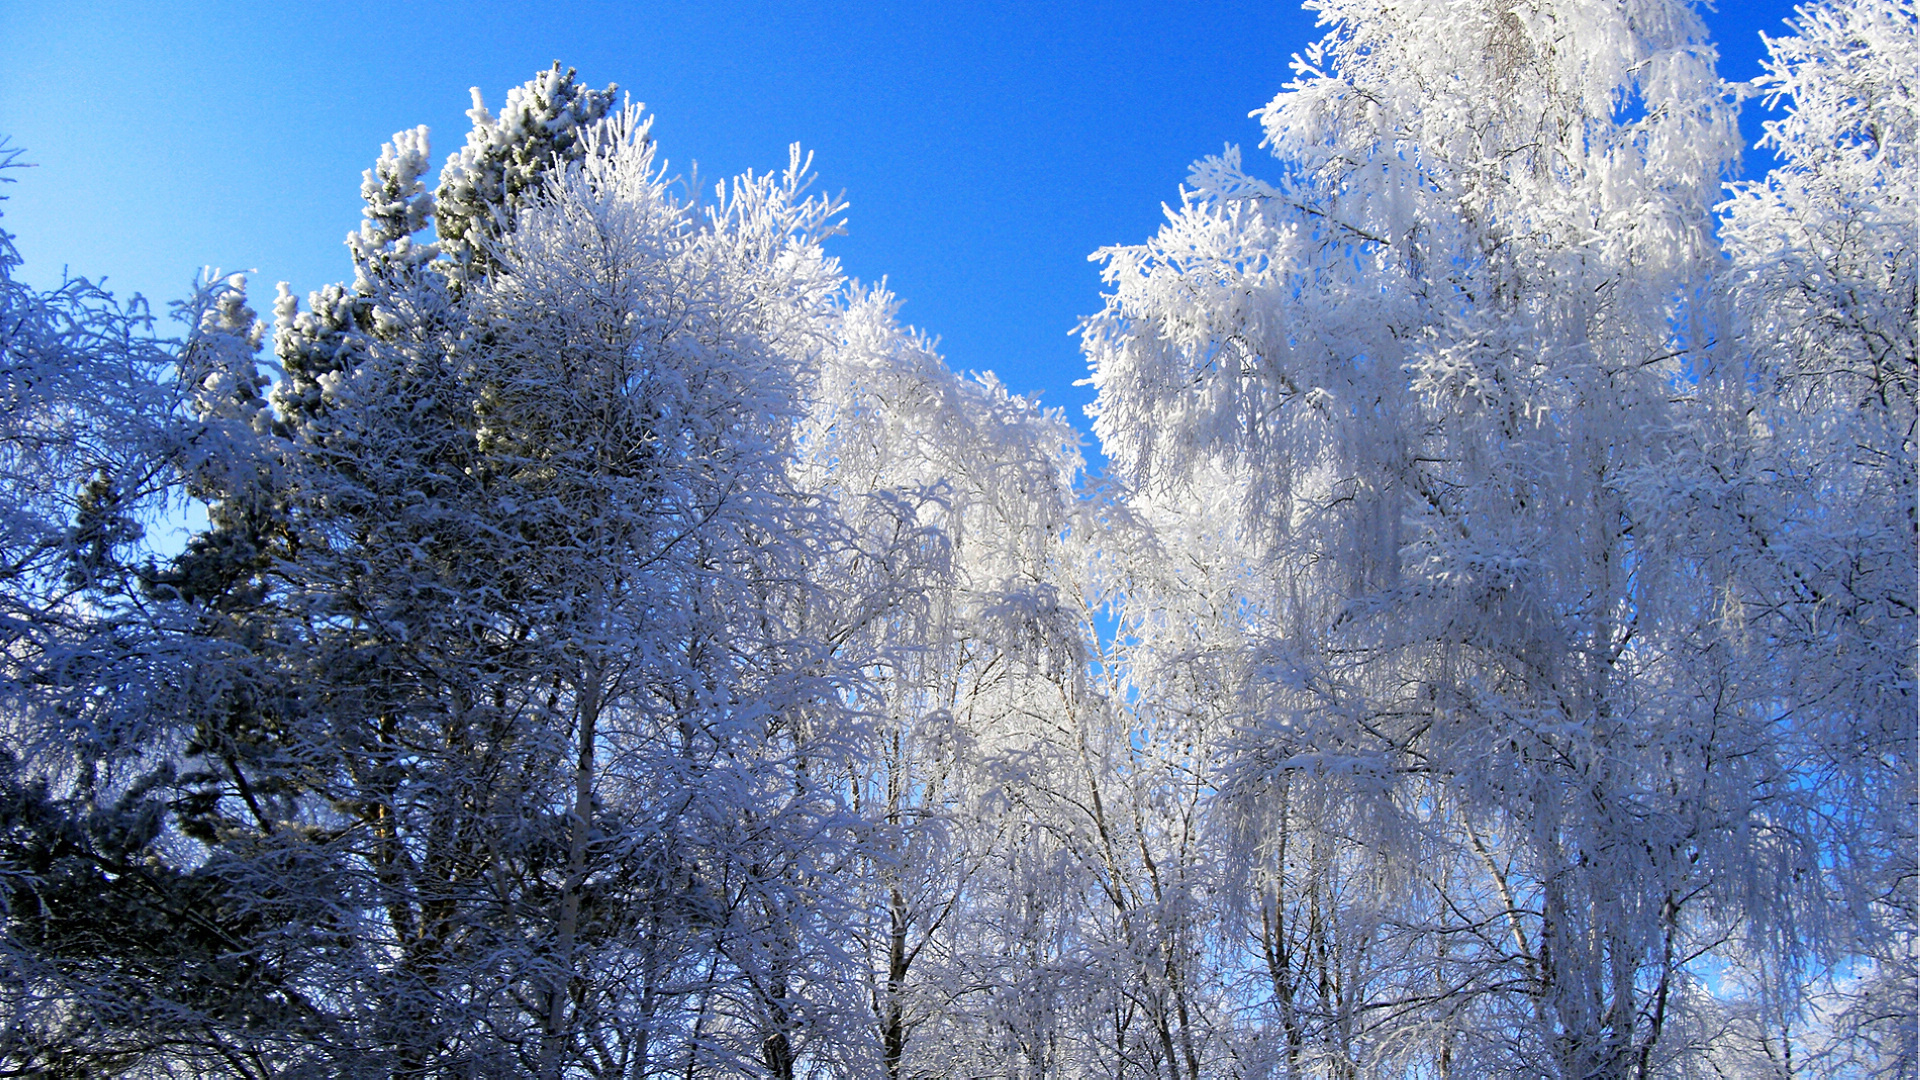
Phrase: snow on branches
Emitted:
{"points": [[616, 646]]}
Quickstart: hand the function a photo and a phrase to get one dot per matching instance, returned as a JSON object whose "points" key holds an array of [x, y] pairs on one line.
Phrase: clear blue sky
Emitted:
{"points": [[986, 149]]}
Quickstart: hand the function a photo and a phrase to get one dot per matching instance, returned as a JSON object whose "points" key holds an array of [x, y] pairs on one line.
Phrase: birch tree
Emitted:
{"points": [[1822, 493], [961, 496], [1444, 359]]}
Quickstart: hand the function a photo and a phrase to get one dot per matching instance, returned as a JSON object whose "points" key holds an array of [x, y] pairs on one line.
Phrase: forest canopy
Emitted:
{"points": [[611, 644]]}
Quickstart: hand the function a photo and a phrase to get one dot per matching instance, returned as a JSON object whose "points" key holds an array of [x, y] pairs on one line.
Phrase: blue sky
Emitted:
{"points": [[986, 149]]}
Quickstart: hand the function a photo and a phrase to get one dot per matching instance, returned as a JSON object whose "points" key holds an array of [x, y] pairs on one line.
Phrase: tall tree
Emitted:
{"points": [[497, 750], [1447, 361], [1821, 487], [961, 499]]}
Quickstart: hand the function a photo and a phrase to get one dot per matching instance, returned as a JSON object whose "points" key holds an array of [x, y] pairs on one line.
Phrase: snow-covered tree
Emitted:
{"points": [[1452, 361], [496, 754], [505, 161], [557, 608], [85, 446], [1821, 491], [961, 499], [90, 443]]}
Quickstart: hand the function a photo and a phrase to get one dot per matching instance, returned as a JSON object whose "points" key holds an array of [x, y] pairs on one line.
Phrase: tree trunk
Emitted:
{"points": [[567, 927]]}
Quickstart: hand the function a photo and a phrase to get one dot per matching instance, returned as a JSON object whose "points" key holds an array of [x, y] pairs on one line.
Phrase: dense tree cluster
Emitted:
{"points": [[616, 647]]}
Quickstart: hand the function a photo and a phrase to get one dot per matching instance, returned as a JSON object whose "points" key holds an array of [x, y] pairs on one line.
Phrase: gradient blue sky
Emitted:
{"points": [[986, 149]]}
